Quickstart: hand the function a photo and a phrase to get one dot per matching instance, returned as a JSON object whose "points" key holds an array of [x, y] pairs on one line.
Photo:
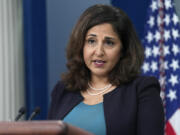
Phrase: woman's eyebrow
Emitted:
{"points": [[109, 38], [93, 35]]}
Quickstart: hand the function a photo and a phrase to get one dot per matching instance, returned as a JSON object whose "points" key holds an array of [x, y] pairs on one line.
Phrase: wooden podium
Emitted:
{"points": [[40, 128]]}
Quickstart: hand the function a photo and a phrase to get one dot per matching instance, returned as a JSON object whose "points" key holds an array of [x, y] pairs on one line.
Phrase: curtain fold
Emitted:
{"points": [[35, 48]]}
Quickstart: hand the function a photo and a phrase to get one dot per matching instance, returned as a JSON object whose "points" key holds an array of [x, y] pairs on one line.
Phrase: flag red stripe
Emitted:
{"points": [[169, 129]]}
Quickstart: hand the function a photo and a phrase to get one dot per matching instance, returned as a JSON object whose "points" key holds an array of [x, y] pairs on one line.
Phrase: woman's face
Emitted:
{"points": [[101, 50]]}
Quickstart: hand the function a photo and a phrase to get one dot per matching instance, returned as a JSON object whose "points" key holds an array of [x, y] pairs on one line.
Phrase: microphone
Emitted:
{"points": [[34, 113], [21, 111]]}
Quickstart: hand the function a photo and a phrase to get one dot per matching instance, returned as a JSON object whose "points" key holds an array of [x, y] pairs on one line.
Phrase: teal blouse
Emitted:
{"points": [[88, 117]]}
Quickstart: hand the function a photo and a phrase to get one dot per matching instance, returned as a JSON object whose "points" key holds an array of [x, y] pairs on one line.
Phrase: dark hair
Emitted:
{"points": [[129, 65]]}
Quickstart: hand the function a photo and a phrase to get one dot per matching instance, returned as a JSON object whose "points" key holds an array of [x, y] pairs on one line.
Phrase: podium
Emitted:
{"points": [[40, 128]]}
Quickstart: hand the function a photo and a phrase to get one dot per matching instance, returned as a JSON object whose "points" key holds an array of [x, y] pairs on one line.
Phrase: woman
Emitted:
{"points": [[102, 91]]}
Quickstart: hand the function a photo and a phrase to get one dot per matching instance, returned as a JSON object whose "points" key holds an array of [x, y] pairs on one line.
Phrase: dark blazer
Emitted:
{"points": [[130, 109]]}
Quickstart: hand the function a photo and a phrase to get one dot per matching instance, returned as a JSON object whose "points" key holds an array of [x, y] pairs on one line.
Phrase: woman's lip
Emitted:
{"points": [[99, 63]]}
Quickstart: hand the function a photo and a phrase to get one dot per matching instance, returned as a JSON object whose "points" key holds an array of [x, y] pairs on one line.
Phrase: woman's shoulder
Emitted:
{"points": [[143, 83], [58, 89], [146, 79]]}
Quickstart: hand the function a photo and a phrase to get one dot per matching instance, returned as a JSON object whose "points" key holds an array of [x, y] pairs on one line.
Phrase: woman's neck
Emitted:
{"points": [[99, 82]]}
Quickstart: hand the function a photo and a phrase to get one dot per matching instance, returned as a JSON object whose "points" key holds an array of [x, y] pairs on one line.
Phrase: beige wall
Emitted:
{"points": [[11, 59]]}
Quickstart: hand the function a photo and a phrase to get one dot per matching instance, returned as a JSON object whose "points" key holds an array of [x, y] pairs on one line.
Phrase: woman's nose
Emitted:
{"points": [[99, 51]]}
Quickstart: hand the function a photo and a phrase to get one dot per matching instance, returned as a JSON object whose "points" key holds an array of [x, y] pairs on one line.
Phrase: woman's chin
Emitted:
{"points": [[100, 74]]}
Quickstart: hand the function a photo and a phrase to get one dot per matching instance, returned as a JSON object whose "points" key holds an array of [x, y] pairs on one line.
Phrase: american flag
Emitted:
{"points": [[162, 55]]}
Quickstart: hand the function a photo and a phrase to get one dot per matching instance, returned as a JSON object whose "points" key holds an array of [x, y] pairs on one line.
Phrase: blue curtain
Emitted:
{"points": [[35, 52]]}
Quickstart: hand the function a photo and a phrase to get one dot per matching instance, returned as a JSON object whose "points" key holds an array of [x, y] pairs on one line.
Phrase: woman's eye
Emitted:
{"points": [[91, 41], [109, 43]]}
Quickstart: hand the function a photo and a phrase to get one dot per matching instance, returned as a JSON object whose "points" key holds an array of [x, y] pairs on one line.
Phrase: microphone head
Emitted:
{"points": [[22, 110], [37, 110], [34, 113]]}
